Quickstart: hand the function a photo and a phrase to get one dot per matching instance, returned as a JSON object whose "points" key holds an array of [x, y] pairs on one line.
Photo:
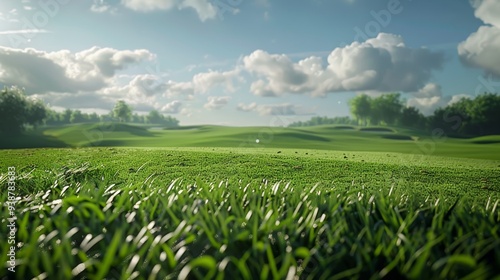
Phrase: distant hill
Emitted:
{"points": [[323, 137]]}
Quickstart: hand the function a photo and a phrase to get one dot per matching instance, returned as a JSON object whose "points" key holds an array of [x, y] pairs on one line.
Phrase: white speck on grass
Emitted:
{"points": [[257, 141]]}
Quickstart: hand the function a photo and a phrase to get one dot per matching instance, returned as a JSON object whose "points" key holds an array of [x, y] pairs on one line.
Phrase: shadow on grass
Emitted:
{"points": [[398, 137], [108, 143], [119, 127], [189, 127], [32, 139], [486, 141], [304, 136], [376, 129]]}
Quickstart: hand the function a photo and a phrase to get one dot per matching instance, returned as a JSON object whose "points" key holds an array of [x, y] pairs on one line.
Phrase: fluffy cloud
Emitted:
{"points": [[203, 82], [63, 71], [480, 49], [247, 108], [285, 109], [216, 102], [173, 107], [77, 100], [204, 8], [430, 97], [383, 63]]}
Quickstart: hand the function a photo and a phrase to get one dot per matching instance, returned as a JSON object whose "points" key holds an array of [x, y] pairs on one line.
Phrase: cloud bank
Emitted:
{"points": [[480, 49], [383, 63]]}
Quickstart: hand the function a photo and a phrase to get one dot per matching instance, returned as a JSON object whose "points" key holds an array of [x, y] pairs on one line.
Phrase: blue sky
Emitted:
{"points": [[248, 62]]}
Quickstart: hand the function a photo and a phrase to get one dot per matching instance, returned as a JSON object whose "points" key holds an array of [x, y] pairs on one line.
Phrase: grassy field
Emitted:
{"points": [[340, 138], [207, 202]]}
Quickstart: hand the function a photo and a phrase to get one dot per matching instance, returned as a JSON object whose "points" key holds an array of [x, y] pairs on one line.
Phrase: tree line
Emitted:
{"points": [[324, 120], [18, 112], [467, 117]]}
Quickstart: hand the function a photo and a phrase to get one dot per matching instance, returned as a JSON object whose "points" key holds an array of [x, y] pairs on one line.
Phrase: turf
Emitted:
{"points": [[375, 139], [118, 201], [227, 213]]}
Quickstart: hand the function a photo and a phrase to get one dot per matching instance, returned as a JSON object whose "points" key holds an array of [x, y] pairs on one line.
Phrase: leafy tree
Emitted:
{"points": [[93, 117], [386, 108], [155, 117], [13, 110], [122, 111], [411, 117], [323, 120], [171, 122], [77, 117], [361, 108], [52, 118], [66, 116], [36, 113], [16, 110]]}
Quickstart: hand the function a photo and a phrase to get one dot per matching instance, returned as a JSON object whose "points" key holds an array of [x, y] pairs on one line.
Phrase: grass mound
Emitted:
{"points": [[187, 127], [397, 137], [301, 136], [491, 139], [120, 127], [377, 129], [94, 229], [347, 127]]}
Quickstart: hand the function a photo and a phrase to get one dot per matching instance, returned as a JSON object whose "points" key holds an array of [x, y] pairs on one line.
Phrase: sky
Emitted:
{"points": [[248, 62]]}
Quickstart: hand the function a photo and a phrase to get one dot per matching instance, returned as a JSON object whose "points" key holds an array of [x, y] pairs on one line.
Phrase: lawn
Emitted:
{"points": [[209, 202]]}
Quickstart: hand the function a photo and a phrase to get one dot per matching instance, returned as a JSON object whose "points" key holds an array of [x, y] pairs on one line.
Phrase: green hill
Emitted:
{"points": [[326, 137]]}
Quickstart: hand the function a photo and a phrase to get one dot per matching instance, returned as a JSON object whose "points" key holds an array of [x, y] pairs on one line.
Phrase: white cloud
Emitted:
{"points": [[216, 102], [101, 6], [458, 97], [204, 81], [173, 107], [149, 5], [430, 97], [23, 31], [379, 64], [63, 71], [204, 8], [480, 49], [247, 108], [487, 11]]}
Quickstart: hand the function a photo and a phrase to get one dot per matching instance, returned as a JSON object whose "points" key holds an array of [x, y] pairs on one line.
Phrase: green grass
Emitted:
{"points": [[374, 139], [222, 213], [208, 202]]}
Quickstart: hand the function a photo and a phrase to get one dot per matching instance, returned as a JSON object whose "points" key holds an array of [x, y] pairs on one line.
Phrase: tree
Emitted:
{"points": [[16, 110], [13, 105], [122, 111], [94, 118], [66, 116], [77, 117], [171, 122], [361, 108], [155, 117], [411, 117], [386, 108], [36, 113]]}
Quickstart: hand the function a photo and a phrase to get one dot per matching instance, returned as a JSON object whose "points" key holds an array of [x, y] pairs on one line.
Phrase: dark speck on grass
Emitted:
{"points": [[279, 152], [307, 153]]}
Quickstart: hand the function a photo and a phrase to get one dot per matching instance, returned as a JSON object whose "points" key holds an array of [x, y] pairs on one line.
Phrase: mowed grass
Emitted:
{"points": [[251, 213], [328, 137]]}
